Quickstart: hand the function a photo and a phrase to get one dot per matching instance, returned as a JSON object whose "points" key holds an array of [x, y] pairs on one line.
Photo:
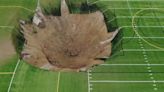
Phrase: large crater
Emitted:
{"points": [[72, 42]]}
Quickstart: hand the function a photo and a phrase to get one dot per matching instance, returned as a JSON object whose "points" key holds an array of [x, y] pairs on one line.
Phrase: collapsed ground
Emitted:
{"points": [[67, 42]]}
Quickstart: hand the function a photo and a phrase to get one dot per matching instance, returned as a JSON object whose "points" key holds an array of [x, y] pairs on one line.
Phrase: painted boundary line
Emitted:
{"points": [[88, 81], [15, 6], [136, 31], [58, 82], [11, 27], [132, 8], [125, 1], [12, 78], [108, 21], [132, 64], [146, 60], [89, 78], [127, 9], [133, 81], [141, 50], [6, 73], [123, 17], [144, 26], [143, 37]]}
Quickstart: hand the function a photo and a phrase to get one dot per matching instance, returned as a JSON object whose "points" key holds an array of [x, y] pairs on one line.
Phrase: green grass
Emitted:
{"points": [[6, 66], [126, 73], [73, 82], [125, 87], [30, 79]]}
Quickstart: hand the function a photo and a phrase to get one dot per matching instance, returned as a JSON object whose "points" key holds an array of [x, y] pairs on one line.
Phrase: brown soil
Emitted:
{"points": [[67, 42], [6, 49]]}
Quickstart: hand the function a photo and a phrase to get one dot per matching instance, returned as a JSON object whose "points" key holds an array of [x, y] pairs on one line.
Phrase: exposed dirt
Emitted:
{"points": [[6, 49], [68, 42]]}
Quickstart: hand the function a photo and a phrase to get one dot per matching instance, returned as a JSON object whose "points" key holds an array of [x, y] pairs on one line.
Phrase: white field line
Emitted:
{"points": [[58, 82], [144, 26], [133, 8], [125, 0], [135, 50], [88, 81], [125, 17], [146, 60], [6, 73], [11, 27], [128, 8], [143, 37], [16, 6], [151, 26], [132, 81], [139, 17], [112, 20], [12, 78], [132, 64]]}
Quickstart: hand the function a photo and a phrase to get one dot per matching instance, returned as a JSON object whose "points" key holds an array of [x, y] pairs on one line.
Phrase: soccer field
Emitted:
{"points": [[137, 67]]}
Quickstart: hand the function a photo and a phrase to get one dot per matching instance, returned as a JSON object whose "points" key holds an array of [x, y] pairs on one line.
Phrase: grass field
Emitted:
{"points": [[139, 67]]}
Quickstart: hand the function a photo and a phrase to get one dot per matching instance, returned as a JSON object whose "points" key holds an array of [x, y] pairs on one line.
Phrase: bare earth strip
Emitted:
{"points": [[6, 49]]}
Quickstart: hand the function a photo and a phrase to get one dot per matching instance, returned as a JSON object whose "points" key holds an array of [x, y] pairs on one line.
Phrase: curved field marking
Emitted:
{"points": [[134, 28], [30, 10], [27, 9]]}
